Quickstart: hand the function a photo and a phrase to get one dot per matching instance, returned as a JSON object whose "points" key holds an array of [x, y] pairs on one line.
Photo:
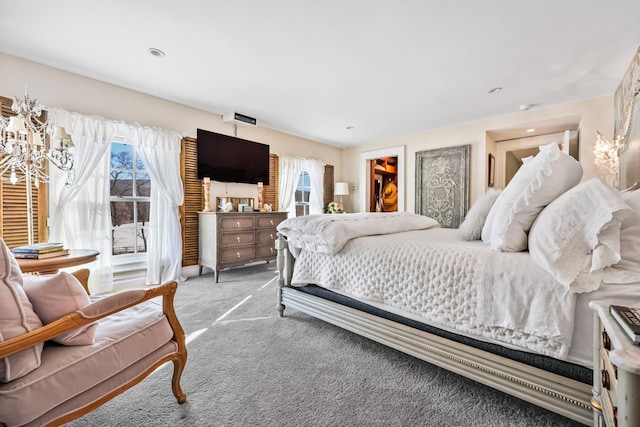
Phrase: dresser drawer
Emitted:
{"points": [[237, 255], [239, 222], [237, 239], [269, 221], [266, 251], [266, 236]]}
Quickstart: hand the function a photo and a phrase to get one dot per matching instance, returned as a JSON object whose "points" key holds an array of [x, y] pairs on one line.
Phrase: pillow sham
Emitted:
{"points": [[16, 318], [55, 296], [536, 184], [578, 235], [627, 270], [471, 227]]}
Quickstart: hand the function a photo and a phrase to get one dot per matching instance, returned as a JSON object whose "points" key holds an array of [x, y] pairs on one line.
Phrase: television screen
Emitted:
{"points": [[226, 158]]}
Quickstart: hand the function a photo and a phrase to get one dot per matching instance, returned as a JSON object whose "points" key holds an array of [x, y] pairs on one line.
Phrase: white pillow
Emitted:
{"points": [[536, 184], [54, 296], [471, 227], [578, 235], [628, 269]]}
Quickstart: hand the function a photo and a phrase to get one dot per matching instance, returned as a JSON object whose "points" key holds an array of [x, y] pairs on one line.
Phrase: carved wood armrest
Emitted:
{"points": [[96, 311]]}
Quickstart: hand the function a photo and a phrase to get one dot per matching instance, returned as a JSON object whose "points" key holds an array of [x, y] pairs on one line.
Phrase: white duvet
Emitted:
{"points": [[464, 286]]}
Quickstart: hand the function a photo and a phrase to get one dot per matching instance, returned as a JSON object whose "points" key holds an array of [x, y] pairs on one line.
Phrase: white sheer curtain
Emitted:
{"points": [[289, 169], [315, 169], [80, 215], [159, 149]]}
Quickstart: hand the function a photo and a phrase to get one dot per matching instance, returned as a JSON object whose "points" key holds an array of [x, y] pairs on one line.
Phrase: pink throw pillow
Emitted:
{"points": [[55, 296], [17, 317]]}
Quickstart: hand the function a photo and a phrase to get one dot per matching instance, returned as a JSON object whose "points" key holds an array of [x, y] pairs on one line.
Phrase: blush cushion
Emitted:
{"points": [[17, 317], [54, 296]]}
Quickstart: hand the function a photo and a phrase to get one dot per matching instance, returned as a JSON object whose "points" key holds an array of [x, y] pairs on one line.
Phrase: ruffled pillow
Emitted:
{"points": [[16, 318], [627, 270], [471, 227], [536, 184], [578, 235], [55, 296]]}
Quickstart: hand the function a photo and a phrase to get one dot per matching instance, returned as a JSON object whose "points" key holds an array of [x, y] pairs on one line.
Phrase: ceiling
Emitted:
{"points": [[342, 72]]}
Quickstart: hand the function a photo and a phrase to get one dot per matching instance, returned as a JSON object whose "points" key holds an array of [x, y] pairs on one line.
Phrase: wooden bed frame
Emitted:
{"points": [[551, 391]]}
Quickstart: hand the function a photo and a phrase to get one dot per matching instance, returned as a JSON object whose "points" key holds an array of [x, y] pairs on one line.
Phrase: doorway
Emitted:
{"points": [[382, 175]]}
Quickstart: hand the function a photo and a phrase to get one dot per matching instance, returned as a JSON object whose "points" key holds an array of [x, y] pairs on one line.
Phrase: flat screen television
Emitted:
{"points": [[226, 158]]}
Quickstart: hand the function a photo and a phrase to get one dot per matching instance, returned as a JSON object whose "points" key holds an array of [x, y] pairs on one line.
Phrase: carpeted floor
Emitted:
{"points": [[247, 367]]}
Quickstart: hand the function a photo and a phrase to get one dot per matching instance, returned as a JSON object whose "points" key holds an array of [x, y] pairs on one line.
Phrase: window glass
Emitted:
{"points": [[302, 194], [130, 190]]}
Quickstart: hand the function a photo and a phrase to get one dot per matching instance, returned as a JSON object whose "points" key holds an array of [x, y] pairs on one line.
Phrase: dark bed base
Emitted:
{"points": [[566, 369]]}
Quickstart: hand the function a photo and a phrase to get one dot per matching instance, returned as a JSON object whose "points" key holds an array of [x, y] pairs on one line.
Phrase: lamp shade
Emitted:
{"points": [[341, 189]]}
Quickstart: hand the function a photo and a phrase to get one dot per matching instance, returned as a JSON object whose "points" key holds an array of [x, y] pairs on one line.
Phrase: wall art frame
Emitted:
{"points": [[442, 184]]}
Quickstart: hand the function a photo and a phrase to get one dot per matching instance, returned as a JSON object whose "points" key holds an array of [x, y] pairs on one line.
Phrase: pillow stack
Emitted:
{"points": [[536, 184], [28, 302]]}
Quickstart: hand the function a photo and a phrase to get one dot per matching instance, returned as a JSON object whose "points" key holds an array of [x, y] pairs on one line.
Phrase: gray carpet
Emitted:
{"points": [[252, 368]]}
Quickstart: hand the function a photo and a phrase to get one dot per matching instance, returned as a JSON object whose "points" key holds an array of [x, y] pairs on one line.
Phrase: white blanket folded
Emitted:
{"points": [[329, 233]]}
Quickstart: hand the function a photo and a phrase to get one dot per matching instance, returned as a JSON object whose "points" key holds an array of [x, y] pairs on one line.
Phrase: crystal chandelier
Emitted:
{"points": [[27, 145]]}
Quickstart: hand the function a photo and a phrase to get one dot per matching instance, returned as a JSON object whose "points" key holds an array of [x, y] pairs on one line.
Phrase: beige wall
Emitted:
{"points": [[57, 88], [595, 115]]}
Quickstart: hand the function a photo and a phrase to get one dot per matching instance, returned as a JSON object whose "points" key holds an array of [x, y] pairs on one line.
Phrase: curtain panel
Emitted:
{"points": [[81, 216]]}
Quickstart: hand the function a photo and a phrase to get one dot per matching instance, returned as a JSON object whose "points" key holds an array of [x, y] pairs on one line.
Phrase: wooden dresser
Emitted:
{"points": [[616, 374], [236, 238]]}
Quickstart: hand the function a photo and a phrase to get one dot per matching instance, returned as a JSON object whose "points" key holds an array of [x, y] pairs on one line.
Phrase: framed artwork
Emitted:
{"points": [[491, 170], [442, 184]]}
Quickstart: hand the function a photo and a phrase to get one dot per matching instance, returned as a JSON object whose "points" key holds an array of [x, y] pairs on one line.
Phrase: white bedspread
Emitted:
{"points": [[329, 233], [461, 285]]}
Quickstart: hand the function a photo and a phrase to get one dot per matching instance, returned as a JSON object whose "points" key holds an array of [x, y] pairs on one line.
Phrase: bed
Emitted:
{"points": [[503, 300]]}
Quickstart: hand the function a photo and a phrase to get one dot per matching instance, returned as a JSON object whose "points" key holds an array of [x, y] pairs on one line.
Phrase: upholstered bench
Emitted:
{"points": [[131, 334]]}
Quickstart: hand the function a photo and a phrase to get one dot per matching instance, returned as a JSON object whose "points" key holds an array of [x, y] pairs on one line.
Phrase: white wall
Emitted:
{"points": [[595, 115], [57, 88]]}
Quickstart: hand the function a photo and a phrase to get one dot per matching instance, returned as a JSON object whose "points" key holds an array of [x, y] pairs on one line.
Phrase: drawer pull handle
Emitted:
{"points": [[238, 239], [238, 224], [238, 254], [271, 235], [605, 379], [271, 221], [271, 249], [606, 341]]}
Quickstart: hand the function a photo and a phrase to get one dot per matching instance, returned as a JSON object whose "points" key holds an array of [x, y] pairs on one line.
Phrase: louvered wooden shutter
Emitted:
{"points": [[328, 184], [192, 201], [270, 192], [13, 199]]}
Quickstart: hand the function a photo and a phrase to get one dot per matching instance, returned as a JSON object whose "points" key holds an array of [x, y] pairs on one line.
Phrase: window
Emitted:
{"points": [[303, 189], [130, 191]]}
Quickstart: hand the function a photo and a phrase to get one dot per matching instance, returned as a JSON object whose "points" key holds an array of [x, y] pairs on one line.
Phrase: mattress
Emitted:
{"points": [[434, 277]]}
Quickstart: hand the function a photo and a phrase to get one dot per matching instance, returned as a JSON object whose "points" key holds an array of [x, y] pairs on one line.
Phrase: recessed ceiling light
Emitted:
{"points": [[350, 127], [156, 52], [531, 130], [525, 107], [495, 90]]}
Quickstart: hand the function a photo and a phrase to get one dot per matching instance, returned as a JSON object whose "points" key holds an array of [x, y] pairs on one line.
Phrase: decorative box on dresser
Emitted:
{"points": [[616, 373], [232, 239]]}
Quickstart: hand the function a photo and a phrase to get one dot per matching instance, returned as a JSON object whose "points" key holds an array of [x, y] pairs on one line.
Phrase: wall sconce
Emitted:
{"points": [[607, 158]]}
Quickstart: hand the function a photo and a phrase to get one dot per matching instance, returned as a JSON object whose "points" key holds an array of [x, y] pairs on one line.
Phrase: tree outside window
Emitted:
{"points": [[130, 191]]}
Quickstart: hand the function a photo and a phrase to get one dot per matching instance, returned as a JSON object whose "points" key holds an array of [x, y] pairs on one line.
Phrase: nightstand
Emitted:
{"points": [[616, 372]]}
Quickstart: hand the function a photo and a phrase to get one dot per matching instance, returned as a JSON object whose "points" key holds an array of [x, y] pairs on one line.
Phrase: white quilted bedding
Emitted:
{"points": [[463, 286]]}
